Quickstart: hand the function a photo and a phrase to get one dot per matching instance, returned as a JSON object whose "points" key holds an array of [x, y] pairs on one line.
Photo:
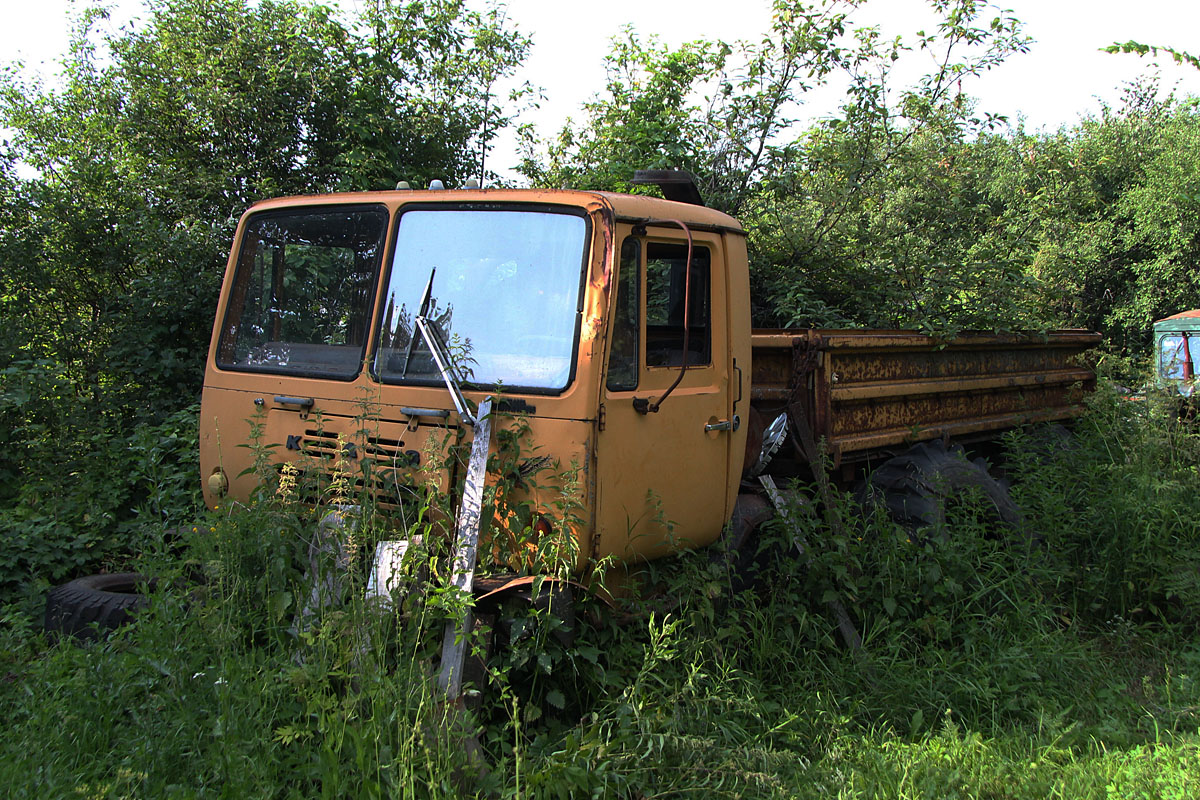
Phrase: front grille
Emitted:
{"points": [[380, 467]]}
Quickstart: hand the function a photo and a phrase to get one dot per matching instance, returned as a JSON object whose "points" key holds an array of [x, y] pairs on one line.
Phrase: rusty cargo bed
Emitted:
{"points": [[869, 390]]}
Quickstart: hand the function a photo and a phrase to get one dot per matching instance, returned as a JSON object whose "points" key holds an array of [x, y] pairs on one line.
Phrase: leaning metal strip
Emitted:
{"points": [[454, 641]]}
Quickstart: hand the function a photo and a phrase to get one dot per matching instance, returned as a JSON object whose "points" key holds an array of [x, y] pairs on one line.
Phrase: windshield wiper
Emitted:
{"points": [[440, 357]]}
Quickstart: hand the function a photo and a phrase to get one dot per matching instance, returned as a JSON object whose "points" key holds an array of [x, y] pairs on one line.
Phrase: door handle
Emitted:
{"points": [[303, 402], [724, 425]]}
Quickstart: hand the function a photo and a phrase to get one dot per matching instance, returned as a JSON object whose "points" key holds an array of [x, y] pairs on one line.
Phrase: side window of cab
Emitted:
{"points": [[624, 354], [673, 293]]}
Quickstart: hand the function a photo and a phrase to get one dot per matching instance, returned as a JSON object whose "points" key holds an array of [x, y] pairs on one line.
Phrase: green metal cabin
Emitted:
{"points": [[1177, 351]]}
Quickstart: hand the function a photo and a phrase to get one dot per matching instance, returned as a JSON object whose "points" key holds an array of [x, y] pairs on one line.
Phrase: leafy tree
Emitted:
{"points": [[712, 108], [874, 217], [1113, 208], [161, 136], [878, 216], [1180, 56], [157, 139]]}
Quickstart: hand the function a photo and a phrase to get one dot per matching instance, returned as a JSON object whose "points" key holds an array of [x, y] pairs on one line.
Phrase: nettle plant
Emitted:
{"points": [[536, 504]]}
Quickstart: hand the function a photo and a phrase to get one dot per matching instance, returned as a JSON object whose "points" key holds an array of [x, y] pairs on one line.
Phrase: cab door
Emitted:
{"points": [[662, 475]]}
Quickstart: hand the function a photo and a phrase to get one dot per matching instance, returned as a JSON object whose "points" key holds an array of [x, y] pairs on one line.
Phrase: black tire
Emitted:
{"points": [[738, 548], [914, 488], [89, 607]]}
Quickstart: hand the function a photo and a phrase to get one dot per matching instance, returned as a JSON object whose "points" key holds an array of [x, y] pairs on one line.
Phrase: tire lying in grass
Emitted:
{"points": [[90, 607], [915, 487]]}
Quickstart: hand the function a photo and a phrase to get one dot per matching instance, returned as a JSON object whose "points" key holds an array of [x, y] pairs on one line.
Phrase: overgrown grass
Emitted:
{"points": [[991, 667]]}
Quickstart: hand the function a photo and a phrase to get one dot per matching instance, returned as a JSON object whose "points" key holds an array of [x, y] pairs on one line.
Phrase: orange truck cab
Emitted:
{"points": [[365, 329]]}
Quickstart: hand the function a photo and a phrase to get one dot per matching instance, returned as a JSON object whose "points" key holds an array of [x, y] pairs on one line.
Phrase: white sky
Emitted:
{"points": [[1063, 76]]}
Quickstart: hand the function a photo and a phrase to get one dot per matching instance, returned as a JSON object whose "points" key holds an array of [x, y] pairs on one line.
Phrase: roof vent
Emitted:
{"points": [[676, 184], [403, 186], [470, 183], [436, 186]]}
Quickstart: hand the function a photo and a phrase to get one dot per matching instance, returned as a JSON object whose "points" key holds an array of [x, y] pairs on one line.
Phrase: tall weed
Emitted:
{"points": [[96, 503], [1118, 505], [988, 661]]}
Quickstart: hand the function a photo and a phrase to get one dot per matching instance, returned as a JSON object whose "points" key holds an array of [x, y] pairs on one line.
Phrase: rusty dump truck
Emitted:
{"points": [[614, 328]]}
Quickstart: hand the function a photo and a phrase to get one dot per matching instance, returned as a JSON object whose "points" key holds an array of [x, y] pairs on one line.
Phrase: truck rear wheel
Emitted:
{"points": [[915, 487]]}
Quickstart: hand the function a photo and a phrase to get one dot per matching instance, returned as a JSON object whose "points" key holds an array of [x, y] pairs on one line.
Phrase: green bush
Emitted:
{"points": [[1118, 508], [97, 501]]}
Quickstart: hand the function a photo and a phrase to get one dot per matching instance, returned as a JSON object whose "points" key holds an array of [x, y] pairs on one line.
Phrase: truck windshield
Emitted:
{"points": [[505, 296], [301, 296]]}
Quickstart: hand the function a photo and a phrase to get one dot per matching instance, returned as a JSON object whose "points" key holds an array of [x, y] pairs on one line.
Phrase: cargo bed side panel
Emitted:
{"points": [[867, 390]]}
